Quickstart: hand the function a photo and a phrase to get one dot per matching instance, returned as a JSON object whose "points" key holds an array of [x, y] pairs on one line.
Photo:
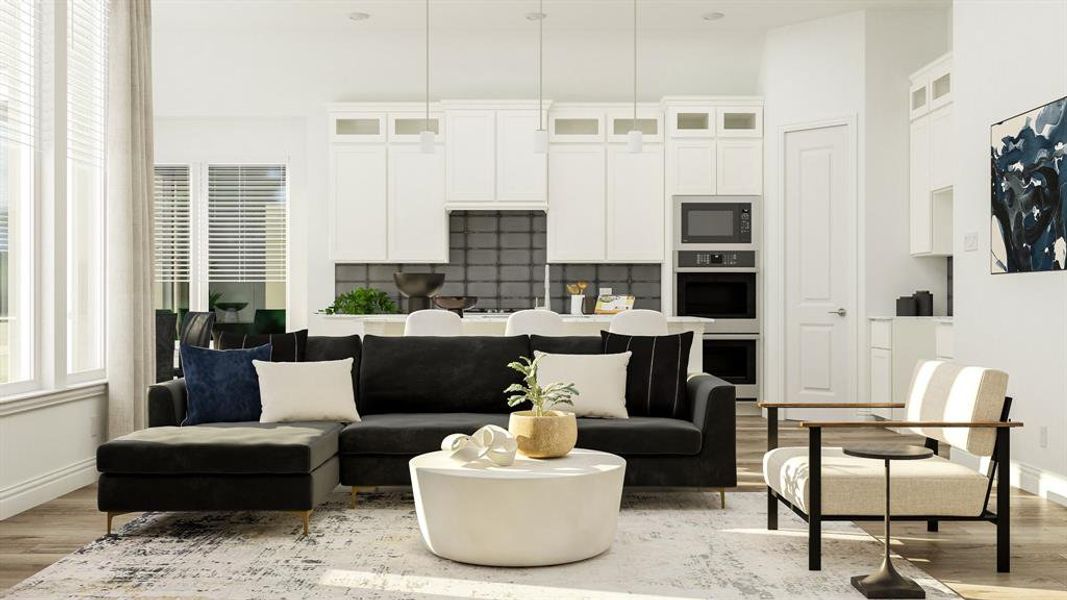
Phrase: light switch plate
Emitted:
{"points": [[970, 241]]}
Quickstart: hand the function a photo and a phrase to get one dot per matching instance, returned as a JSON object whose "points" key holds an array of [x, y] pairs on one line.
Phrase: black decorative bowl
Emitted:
{"points": [[418, 285], [456, 304]]}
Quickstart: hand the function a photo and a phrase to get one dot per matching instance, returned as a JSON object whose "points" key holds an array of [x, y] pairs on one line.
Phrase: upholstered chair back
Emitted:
{"points": [[639, 321], [942, 391], [535, 322], [433, 323]]}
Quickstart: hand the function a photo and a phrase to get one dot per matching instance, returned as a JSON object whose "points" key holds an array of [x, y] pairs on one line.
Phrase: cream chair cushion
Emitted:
{"points": [[942, 391], [856, 486]]}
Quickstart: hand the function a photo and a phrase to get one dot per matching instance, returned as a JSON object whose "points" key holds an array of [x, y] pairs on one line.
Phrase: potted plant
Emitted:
{"points": [[541, 432], [362, 301]]}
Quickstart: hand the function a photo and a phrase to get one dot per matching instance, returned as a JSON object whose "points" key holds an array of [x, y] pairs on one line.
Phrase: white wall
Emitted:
{"points": [[48, 446], [850, 66], [1018, 322]]}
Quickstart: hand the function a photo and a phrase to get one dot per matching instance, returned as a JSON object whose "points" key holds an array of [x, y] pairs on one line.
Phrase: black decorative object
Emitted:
{"points": [[924, 303], [1028, 191], [907, 306], [418, 287], [887, 582]]}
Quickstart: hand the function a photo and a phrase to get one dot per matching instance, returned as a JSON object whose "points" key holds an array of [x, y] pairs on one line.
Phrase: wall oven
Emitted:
{"points": [[719, 285], [735, 359], [714, 222]]}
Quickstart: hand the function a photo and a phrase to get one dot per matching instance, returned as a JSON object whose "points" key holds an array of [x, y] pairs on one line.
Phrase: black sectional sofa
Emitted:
{"points": [[410, 392]]}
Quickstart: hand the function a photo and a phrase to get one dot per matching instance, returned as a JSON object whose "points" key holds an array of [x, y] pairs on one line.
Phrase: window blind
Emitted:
{"points": [[86, 80], [247, 207], [18, 50], [173, 226]]}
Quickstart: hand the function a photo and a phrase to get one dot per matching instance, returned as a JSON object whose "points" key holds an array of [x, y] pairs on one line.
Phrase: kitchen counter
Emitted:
{"points": [[493, 324]]}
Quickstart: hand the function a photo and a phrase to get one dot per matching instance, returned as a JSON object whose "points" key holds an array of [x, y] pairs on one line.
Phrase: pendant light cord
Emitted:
{"points": [[426, 124], [635, 66], [540, 65]]}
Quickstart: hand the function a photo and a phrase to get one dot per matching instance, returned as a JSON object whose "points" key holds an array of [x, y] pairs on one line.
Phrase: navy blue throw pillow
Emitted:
{"points": [[222, 384]]}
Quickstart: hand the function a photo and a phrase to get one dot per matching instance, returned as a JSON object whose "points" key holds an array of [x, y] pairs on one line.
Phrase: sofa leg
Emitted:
{"points": [[931, 525], [352, 497], [772, 510], [722, 498], [110, 516], [305, 516]]}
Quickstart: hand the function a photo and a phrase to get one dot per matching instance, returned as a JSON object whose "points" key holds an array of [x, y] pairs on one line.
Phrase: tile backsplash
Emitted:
{"points": [[500, 258]]}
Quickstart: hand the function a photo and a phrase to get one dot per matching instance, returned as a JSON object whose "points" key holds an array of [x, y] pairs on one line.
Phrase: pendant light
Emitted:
{"points": [[634, 136], [541, 135], [427, 137]]}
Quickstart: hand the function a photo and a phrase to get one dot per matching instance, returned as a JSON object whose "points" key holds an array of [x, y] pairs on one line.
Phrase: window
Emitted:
{"points": [[221, 243], [246, 245], [86, 134], [173, 238], [18, 145]]}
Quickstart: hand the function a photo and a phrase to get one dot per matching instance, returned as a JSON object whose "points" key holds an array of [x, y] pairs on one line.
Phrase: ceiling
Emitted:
{"points": [[386, 15]]}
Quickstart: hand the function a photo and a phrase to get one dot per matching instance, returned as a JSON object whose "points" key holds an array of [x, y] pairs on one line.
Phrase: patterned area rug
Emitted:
{"points": [[669, 545]]}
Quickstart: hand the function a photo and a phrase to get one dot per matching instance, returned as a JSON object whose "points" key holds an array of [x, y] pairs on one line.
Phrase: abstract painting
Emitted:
{"points": [[1028, 229]]}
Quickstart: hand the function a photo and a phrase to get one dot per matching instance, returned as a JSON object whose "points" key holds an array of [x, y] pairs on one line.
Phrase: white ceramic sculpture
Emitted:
{"points": [[490, 442]]}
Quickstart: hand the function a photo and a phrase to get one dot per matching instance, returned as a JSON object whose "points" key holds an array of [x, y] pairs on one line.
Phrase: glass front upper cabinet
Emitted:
{"points": [[648, 122], [357, 127], [576, 126], [691, 121], [408, 127], [739, 121]]}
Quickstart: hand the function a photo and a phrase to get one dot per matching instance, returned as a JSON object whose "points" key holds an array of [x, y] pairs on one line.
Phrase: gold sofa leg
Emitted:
{"points": [[722, 498], [305, 516], [352, 497], [110, 516]]}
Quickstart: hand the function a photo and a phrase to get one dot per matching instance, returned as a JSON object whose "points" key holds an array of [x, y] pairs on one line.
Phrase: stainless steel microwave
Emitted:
{"points": [[714, 221]]}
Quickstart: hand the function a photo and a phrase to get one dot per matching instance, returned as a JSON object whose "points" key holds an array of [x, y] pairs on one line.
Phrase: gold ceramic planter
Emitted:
{"points": [[550, 436]]}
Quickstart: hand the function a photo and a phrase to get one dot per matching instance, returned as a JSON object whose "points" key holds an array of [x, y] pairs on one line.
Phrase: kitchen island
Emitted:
{"points": [[493, 324]]}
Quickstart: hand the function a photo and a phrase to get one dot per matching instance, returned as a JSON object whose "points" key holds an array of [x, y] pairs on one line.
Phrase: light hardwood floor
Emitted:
{"points": [[962, 554]]}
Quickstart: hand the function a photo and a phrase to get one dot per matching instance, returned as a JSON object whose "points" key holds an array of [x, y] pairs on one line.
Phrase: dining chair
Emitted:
{"points": [[639, 322], [433, 323], [534, 322]]}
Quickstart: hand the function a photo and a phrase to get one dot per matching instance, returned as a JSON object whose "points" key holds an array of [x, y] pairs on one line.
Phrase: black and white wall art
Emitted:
{"points": [[1028, 229]]}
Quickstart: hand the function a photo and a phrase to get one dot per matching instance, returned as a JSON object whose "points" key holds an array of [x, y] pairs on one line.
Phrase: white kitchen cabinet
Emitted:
{"points": [[418, 223], [881, 388], [357, 195], [571, 125], [739, 121], [939, 76], [635, 204], [649, 122], [407, 127], [942, 150], [944, 341], [691, 167], [919, 184], [520, 171], [739, 166], [930, 161], [692, 121], [358, 127], [577, 211], [470, 155]]}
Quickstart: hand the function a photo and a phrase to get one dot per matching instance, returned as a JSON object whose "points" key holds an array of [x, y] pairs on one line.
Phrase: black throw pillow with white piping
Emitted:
{"points": [[284, 347], [656, 374]]}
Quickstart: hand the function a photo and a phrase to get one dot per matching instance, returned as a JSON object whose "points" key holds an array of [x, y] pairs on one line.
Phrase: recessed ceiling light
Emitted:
{"points": [[536, 16], [713, 16], [359, 16]]}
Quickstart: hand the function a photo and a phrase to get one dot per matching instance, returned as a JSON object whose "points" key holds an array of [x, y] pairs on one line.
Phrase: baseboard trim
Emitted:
{"points": [[48, 486]]}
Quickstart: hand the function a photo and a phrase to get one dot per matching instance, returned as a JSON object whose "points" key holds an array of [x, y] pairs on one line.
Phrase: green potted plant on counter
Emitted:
{"points": [[541, 432], [362, 301]]}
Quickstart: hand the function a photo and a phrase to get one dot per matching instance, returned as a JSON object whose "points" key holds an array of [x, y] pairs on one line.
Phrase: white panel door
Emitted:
{"points": [[692, 166], [919, 187], [358, 202], [520, 172], [418, 223], [739, 167], [577, 214], [471, 155], [635, 204], [820, 275]]}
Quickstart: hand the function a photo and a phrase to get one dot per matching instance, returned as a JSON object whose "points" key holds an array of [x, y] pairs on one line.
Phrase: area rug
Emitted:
{"points": [[669, 545]]}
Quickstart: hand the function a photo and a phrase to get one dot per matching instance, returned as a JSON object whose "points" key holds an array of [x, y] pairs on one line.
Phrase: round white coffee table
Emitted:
{"points": [[535, 512]]}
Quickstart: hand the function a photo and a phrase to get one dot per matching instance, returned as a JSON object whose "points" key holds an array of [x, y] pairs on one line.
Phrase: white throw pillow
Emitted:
{"points": [[600, 379], [306, 391]]}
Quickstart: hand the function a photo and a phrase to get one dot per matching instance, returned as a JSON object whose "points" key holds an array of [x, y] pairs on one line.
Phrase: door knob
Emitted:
{"points": [[839, 312]]}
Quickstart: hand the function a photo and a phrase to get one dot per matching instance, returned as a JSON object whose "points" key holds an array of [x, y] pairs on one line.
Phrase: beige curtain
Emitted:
{"points": [[130, 309]]}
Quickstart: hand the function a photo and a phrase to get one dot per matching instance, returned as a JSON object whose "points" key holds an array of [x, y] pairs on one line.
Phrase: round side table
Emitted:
{"points": [[887, 582]]}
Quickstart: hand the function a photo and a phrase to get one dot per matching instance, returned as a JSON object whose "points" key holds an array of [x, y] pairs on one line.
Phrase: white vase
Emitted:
{"points": [[577, 303]]}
